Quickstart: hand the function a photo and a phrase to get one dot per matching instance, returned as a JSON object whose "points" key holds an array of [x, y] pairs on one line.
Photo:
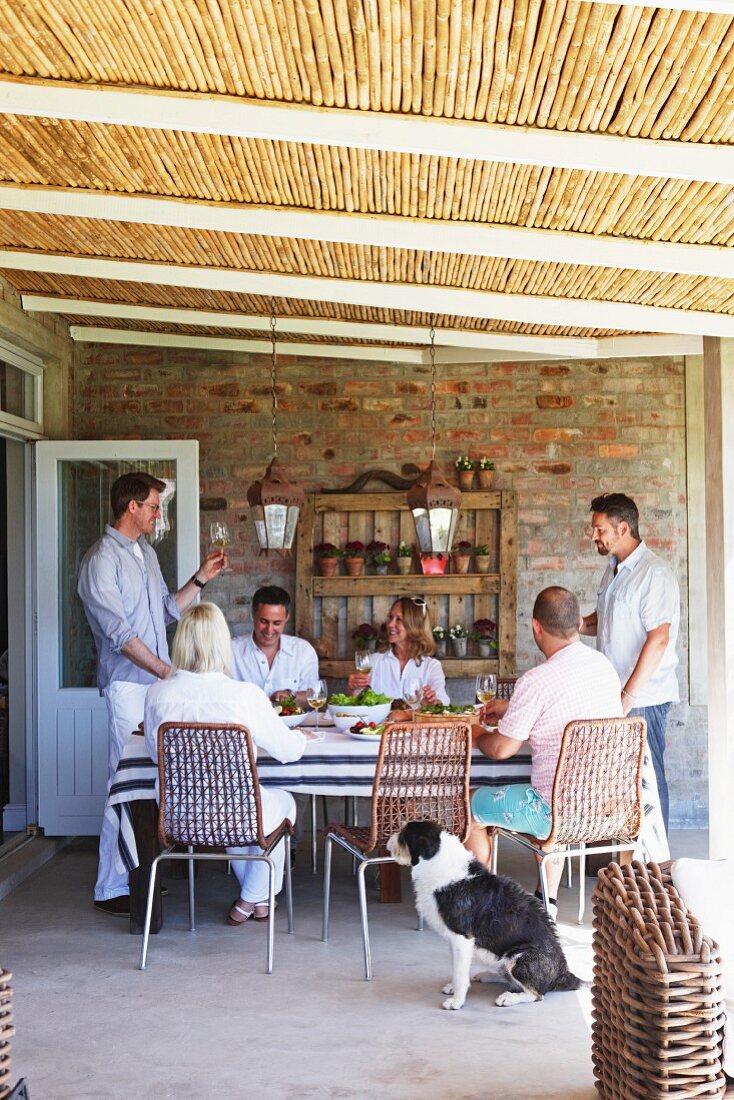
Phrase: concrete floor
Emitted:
{"points": [[205, 1020]]}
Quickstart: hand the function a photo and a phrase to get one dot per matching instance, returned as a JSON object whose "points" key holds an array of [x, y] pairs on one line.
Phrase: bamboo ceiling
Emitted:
{"points": [[553, 65]]}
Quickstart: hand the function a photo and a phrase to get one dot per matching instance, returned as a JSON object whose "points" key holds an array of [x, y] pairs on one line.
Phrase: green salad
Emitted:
{"points": [[366, 698], [447, 708]]}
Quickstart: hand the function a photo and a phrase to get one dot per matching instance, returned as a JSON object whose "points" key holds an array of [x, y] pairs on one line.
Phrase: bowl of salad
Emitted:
{"points": [[290, 712], [369, 705]]}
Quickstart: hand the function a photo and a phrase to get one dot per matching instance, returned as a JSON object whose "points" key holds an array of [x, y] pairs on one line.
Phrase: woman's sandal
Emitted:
{"points": [[238, 915]]}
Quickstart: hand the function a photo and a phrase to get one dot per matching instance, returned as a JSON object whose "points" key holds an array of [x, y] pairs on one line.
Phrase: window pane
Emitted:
{"points": [[84, 494], [17, 392]]}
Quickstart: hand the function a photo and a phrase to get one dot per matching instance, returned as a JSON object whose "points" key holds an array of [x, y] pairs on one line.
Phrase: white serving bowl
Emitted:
{"points": [[344, 717], [293, 720]]}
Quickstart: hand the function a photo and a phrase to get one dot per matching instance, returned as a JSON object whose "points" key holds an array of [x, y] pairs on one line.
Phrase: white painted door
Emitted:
{"points": [[73, 480]]}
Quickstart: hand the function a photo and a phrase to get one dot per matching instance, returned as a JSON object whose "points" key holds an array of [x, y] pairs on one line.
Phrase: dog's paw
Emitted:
{"points": [[448, 989], [508, 998], [452, 1004], [485, 976]]}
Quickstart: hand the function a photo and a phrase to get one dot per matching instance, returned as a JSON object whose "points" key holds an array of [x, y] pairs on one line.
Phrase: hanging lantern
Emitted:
{"points": [[433, 502], [274, 500]]}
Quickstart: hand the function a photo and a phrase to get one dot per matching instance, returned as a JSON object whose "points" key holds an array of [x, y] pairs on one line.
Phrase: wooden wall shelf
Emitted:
{"points": [[329, 609]]}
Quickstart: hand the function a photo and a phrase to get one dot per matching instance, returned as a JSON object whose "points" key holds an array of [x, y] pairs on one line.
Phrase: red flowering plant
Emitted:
{"points": [[485, 630], [378, 552], [354, 549], [463, 547], [328, 550], [365, 636]]}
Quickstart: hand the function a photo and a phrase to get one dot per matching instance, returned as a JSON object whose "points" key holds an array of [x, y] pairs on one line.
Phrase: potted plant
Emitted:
{"points": [[404, 557], [465, 468], [379, 554], [365, 637], [327, 557], [439, 637], [484, 633], [481, 558], [433, 563], [354, 558], [486, 473], [461, 556], [458, 636]]}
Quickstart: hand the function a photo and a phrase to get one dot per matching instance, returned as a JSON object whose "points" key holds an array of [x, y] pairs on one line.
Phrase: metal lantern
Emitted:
{"points": [[433, 502], [274, 500]]}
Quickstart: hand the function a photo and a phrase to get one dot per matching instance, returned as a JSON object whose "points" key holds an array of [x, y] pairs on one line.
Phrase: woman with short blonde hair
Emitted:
{"points": [[202, 642], [408, 661]]}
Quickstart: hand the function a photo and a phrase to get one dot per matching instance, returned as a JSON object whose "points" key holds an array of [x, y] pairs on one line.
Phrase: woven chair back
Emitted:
{"points": [[597, 790], [209, 790], [422, 774], [505, 686]]}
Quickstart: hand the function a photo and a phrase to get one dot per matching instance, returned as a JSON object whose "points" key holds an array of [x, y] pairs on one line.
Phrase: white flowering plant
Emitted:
{"points": [[458, 631], [439, 633], [463, 462]]}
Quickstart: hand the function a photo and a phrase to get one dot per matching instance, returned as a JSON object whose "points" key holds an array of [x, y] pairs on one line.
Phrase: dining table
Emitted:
{"points": [[334, 764]]}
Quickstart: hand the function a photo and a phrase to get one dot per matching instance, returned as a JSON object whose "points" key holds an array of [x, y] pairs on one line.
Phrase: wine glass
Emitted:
{"points": [[316, 696], [220, 536], [486, 687], [363, 660], [413, 694]]}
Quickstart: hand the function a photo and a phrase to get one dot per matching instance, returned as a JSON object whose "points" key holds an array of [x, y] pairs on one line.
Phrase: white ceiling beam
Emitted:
{"points": [[92, 335], [524, 308], [462, 238], [229, 115]]}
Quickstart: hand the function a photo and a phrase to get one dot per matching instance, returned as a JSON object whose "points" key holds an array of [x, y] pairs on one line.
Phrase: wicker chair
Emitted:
{"points": [[505, 686], [422, 774], [209, 796], [7, 1030], [658, 1008], [597, 795]]}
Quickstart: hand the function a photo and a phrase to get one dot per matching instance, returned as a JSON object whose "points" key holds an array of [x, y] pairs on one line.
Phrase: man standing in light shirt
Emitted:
{"points": [[574, 682], [279, 663], [636, 622], [128, 607]]}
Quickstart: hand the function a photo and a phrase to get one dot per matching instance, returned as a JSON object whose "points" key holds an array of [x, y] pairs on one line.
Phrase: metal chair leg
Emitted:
{"points": [[288, 882], [192, 924], [544, 880], [327, 889], [363, 918], [582, 882], [271, 914], [420, 925], [569, 872], [148, 913], [495, 851], [314, 836]]}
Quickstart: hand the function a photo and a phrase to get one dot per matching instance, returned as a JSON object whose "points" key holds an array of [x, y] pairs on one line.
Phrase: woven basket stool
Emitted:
{"points": [[6, 1030], [657, 1003]]}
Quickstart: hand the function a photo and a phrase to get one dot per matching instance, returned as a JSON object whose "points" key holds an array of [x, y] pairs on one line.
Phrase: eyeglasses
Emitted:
{"points": [[147, 504]]}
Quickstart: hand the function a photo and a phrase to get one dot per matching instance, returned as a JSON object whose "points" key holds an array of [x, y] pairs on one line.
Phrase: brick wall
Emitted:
{"points": [[559, 434]]}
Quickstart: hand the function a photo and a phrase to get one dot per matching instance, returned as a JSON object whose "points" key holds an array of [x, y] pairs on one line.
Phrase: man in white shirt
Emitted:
{"points": [[636, 622], [279, 663]]}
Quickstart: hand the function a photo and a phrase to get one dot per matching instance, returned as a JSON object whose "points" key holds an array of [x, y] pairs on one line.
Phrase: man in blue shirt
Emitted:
{"points": [[128, 607]]}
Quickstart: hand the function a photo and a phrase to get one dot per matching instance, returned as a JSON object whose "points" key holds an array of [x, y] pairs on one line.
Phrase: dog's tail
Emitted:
{"points": [[568, 981]]}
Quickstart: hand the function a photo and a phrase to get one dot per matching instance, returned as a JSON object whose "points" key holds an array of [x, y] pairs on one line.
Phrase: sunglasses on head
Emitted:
{"points": [[419, 602]]}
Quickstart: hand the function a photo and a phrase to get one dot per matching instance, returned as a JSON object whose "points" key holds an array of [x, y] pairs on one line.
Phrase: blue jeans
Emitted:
{"points": [[657, 718]]}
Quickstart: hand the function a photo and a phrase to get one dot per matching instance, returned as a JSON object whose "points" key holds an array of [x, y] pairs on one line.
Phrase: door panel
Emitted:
{"points": [[73, 482]]}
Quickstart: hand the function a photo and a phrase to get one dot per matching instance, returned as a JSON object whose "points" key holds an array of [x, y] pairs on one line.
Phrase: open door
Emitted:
{"points": [[73, 482]]}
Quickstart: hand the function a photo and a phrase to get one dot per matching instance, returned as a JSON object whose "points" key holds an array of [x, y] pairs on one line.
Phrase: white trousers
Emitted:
{"points": [[125, 707], [252, 876]]}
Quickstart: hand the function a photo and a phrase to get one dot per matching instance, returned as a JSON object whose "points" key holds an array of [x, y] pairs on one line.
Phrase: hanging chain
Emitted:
{"points": [[433, 390], [273, 362]]}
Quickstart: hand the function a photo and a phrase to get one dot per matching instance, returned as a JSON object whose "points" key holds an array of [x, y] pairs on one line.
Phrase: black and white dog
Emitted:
{"points": [[478, 911]]}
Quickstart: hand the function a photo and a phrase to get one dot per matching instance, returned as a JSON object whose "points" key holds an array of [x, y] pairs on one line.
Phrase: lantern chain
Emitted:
{"points": [[273, 362], [433, 391]]}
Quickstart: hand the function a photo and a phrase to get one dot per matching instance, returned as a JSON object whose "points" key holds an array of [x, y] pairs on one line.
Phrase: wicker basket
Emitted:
{"points": [[6, 1030], [657, 1001]]}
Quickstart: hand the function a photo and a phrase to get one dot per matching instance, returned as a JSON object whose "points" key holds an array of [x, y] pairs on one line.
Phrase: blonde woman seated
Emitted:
{"points": [[200, 689], [409, 659]]}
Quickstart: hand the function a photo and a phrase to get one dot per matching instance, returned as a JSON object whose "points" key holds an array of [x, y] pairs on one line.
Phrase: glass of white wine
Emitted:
{"points": [[220, 536], [486, 687], [363, 660], [316, 696], [413, 693]]}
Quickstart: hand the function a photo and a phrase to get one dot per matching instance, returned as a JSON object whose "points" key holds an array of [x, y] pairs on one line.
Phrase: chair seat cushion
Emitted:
{"points": [[707, 888]]}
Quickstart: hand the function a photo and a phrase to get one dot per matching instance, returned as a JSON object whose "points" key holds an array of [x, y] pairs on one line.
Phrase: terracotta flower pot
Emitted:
{"points": [[486, 477], [481, 563], [405, 565], [466, 479], [328, 566], [461, 562], [354, 566]]}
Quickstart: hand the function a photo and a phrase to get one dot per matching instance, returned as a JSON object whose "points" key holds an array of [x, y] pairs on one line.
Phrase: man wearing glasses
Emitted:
{"points": [[128, 607]]}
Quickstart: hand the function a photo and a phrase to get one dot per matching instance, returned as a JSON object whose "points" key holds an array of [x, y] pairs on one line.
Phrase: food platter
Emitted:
{"points": [[364, 736]]}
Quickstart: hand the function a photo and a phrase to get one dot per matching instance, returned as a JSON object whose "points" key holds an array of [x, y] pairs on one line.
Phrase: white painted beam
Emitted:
{"points": [[217, 114], [524, 308], [433, 235], [92, 335]]}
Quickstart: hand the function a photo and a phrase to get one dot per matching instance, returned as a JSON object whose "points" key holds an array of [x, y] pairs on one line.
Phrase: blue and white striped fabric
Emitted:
{"points": [[136, 778]]}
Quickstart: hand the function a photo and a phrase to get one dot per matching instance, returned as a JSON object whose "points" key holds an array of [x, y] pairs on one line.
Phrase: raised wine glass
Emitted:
{"points": [[486, 687], [363, 660], [413, 694], [316, 696], [220, 536]]}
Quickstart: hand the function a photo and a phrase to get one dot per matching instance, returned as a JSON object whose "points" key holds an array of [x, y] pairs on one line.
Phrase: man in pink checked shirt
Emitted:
{"points": [[575, 681]]}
